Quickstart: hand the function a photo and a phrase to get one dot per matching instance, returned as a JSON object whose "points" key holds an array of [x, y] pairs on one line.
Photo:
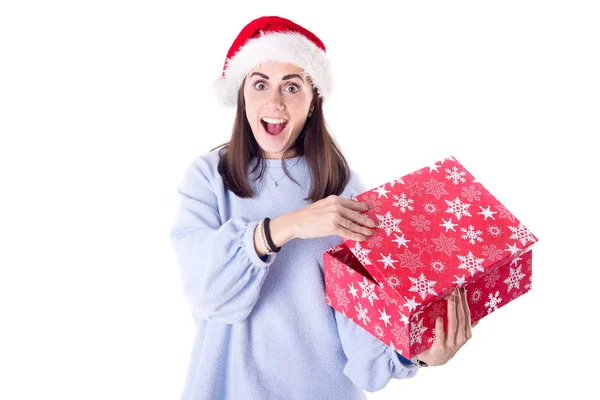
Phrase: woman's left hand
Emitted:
{"points": [[446, 344]]}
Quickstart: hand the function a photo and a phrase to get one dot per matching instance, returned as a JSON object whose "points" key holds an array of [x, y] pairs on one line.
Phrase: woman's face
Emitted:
{"points": [[278, 97]]}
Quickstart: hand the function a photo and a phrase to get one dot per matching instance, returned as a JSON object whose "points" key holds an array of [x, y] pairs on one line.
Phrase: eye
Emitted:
{"points": [[257, 83], [296, 88]]}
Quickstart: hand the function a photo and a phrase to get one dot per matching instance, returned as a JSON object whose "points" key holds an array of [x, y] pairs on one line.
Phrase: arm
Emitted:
{"points": [[222, 273], [371, 363]]}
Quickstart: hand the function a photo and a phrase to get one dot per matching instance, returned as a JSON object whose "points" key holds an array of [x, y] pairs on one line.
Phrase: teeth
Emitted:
{"points": [[274, 120]]}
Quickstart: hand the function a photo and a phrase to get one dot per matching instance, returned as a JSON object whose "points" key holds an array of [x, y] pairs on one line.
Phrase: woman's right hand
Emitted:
{"points": [[332, 215]]}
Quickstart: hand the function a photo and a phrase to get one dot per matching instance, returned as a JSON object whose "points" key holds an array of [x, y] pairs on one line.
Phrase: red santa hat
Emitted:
{"points": [[273, 39]]}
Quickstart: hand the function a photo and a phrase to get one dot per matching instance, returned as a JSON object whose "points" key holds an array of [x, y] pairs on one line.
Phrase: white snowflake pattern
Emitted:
{"points": [[368, 290], [491, 252], [373, 201], [521, 233], [398, 180], [416, 332], [514, 278], [381, 191], [402, 202], [514, 250], [420, 223], [471, 263], [471, 234], [384, 317], [487, 213], [334, 249], [430, 208], [491, 278], [448, 224], [435, 188], [422, 286], [378, 330], [434, 167], [340, 295], [455, 175], [475, 296], [401, 241], [387, 298], [411, 304], [410, 260], [422, 245], [460, 281], [504, 213], [437, 266], [362, 314], [492, 304], [388, 223], [414, 188], [337, 268], [374, 241], [400, 336], [387, 261], [471, 193], [353, 291], [445, 244], [403, 318], [361, 254], [432, 338], [458, 208], [494, 230], [437, 310], [393, 281]]}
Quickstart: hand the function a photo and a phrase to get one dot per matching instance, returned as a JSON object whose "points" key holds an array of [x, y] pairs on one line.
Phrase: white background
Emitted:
{"points": [[103, 104]]}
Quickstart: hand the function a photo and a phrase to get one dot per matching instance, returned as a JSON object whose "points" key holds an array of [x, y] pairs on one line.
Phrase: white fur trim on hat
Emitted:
{"points": [[284, 47]]}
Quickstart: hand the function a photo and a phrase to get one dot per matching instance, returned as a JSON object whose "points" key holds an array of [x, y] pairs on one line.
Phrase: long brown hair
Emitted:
{"points": [[328, 167]]}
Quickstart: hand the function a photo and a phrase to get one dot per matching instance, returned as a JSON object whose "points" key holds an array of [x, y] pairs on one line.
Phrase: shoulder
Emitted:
{"points": [[202, 169], [355, 185], [207, 162]]}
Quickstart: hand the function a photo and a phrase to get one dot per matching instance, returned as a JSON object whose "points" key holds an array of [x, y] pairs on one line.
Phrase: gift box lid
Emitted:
{"points": [[438, 228]]}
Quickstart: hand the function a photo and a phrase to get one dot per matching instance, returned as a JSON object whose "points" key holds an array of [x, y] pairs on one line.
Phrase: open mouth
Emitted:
{"points": [[273, 126]]}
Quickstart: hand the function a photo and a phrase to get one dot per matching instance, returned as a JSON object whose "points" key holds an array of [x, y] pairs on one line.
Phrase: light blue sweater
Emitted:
{"points": [[263, 328]]}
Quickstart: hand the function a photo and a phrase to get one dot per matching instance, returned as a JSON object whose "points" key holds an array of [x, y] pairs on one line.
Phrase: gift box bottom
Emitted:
{"points": [[354, 292]]}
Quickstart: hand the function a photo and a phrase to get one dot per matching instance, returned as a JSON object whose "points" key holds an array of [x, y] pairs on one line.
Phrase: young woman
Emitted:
{"points": [[253, 222]]}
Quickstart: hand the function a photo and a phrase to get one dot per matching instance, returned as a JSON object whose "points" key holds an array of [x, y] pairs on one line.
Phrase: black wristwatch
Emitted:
{"points": [[418, 362]]}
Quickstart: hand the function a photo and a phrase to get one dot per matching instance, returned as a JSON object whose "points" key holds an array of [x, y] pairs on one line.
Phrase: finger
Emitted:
{"points": [[345, 228], [452, 321], [358, 223], [440, 335], [467, 314], [461, 337], [353, 204]]}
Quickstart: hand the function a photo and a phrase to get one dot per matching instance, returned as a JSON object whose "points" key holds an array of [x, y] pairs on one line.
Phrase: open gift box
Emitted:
{"points": [[438, 229]]}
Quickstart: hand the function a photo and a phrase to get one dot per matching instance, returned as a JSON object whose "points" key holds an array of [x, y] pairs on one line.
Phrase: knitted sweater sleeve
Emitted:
{"points": [[370, 362], [221, 272]]}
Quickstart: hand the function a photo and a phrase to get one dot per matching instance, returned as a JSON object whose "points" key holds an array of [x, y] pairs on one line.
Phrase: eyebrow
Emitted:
{"points": [[286, 77]]}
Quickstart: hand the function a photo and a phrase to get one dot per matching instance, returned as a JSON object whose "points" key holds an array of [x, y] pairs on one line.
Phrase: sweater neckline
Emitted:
{"points": [[273, 163]]}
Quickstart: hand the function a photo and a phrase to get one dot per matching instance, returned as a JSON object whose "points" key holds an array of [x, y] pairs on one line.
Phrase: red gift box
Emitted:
{"points": [[438, 229]]}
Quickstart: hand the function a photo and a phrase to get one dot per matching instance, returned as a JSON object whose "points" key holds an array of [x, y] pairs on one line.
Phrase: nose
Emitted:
{"points": [[275, 100]]}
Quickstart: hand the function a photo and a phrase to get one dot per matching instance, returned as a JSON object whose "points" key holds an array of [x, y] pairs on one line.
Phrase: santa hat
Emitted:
{"points": [[273, 39]]}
